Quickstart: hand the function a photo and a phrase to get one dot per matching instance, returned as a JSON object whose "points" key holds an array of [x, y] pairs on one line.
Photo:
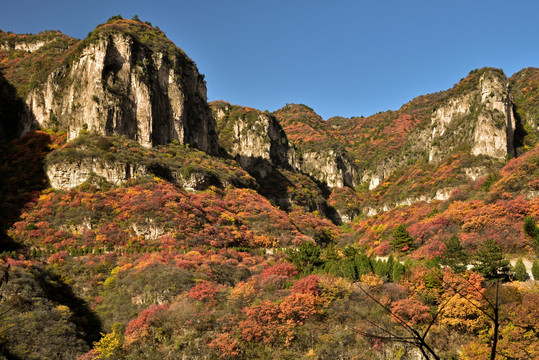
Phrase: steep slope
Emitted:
{"points": [[255, 139], [125, 78], [318, 152], [25, 61], [525, 91], [11, 109], [28, 59], [475, 116], [92, 158]]}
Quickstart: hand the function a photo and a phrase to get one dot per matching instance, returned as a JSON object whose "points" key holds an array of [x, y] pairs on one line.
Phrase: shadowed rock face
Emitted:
{"points": [[119, 85], [255, 139]]}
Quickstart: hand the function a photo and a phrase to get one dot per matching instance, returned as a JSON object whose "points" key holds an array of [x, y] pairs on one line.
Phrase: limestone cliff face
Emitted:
{"points": [[476, 115], [260, 145], [67, 175], [24, 46], [328, 166], [481, 117], [118, 84], [70, 174], [255, 139], [496, 122], [382, 171]]}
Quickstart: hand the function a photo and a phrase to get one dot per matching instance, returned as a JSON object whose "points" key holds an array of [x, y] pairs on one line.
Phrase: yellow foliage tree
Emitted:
{"points": [[110, 345]]}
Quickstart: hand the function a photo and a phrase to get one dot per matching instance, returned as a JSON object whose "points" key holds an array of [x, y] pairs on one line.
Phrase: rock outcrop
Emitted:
{"points": [[67, 175], [476, 116], [70, 174], [127, 79], [254, 138], [328, 166], [481, 117], [259, 143], [318, 153]]}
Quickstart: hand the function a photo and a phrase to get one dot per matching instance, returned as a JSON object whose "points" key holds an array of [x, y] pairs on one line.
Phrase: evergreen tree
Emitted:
{"points": [[398, 271], [490, 262], [531, 229], [401, 239], [363, 265], [520, 270], [389, 267], [535, 269], [306, 258], [350, 252], [331, 254], [455, 256]]}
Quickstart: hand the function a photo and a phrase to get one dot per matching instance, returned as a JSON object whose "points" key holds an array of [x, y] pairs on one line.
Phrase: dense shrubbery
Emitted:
{"points": [[26, 69], [306, 129], [156, 214], [225, 303]]}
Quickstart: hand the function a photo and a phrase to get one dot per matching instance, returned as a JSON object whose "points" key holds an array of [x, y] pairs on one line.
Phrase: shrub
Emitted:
{"points": [[535, 269], [520, 271]]}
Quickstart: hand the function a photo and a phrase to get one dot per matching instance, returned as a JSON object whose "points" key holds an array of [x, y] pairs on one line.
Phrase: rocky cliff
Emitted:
{"points": [[96, 159], [319, 153], [127, 78], [481, 117], [475, 117], [254, 138], [328, 165], [68, 175]]}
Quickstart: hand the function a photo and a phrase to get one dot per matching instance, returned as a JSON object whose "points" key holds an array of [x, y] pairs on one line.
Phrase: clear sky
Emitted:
{"points": [[346, 58]]}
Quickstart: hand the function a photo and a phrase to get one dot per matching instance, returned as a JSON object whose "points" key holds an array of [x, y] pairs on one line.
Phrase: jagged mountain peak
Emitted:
{"points": [[126, 78], [143, 33]]}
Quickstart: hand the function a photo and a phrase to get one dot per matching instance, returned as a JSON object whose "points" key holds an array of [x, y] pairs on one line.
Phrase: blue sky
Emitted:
{"points": [[346, 58]]}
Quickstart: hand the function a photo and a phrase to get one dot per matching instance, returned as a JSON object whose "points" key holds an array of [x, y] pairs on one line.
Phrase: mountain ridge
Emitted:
{"points": [[139, 221]]}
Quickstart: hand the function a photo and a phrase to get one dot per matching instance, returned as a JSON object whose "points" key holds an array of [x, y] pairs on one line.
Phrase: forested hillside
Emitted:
{"points": [[139, 221]]}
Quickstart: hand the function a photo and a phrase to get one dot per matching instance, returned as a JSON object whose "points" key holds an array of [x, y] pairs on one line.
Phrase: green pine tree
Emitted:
{"points": [[531, 229], [398, 271], [389, 267], [363, 264], [490, 262], [306, 258], [535, 269], [455, 256], [520, 270], [401, 239]]}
